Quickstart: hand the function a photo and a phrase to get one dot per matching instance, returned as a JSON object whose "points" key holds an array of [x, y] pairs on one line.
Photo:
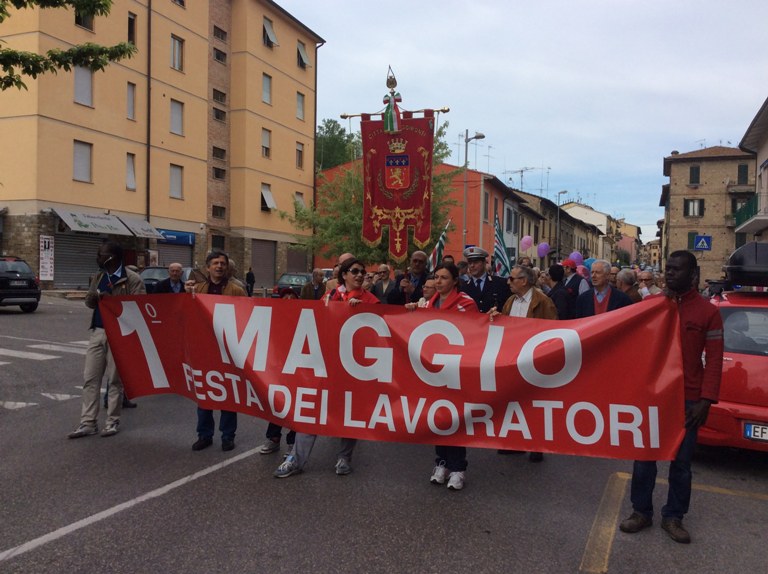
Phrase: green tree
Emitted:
{"points": [[622, 256], [17, 64], [334, 146], [337, 219]]}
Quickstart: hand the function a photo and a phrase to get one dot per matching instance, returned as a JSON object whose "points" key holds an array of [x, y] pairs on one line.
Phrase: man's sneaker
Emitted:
{"points": [[439, 474], [288, 450], [456, 480], [287, 468], [83, 430], [343, 467], [635, 523], [269, 446], [675, 529], [111, 429]]}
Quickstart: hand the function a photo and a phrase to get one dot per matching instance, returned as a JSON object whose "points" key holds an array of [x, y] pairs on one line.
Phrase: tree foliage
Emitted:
{"points": [[337, 219], [17, 64], [334, 146]]}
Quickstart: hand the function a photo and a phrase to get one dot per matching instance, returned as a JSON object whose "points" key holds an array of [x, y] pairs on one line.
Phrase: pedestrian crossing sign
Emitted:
{"points": [[702, 243]]}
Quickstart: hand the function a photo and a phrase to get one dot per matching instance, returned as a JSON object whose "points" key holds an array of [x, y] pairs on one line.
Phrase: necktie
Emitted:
{"points": [[479, 284]]}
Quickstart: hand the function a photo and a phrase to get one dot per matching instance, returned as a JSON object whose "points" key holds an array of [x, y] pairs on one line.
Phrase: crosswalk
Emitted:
{"points": [[34, 352]]}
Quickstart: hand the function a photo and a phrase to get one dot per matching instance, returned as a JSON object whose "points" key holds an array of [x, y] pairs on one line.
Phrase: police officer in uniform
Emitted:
{"points": [[487, 291]]}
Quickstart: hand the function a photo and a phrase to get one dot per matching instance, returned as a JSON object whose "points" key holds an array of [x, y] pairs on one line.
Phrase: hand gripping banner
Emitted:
{"points": [[397, 177], [606, 386]]}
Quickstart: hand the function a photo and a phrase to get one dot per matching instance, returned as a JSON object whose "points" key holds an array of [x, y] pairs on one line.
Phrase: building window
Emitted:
{"points": [[268, 36], [302, 59], [507, 220], [219, 114], [266, 89], [177, 117], [743, 177], [177, 53], [694, 175], [267, 201], [130, 101], [486, 205], [737, 203], [300, 105], [298, 198], [219, 96], [81, 169], [217, 242], [219, 211], [177, 182], [266, 142], [219, 153], [83, 86], [220, 56], [84, 21], [181, 3], [132, 28], [219, 34], [130, 171], [693, 207], [496, 209], [219, 173], [300, 155]]}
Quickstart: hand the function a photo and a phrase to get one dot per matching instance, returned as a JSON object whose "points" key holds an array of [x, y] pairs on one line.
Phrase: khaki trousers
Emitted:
{"points": [[98, 362]]}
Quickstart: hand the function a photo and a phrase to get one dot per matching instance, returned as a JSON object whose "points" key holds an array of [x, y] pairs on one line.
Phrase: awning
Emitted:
{"points": [[140, 227], [92, 222], [172, 237]]}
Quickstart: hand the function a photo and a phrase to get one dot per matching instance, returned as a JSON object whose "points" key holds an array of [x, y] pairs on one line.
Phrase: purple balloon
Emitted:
{"points": [[576, 257], [526, 242], [542, 249]]}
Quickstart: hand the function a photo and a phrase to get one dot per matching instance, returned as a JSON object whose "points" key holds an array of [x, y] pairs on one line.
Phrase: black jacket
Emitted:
{"points": [[495, 292]]}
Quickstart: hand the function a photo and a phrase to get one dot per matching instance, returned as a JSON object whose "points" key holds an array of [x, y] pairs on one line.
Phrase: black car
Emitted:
{"points": [[18, 284], [293, 281]]}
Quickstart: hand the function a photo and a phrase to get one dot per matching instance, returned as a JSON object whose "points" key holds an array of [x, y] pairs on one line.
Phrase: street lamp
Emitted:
{"points": [[559, 193], [467, 139]]}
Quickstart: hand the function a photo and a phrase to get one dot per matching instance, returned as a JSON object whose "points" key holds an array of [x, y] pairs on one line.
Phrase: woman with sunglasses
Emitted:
{"points": [[350, 291], [450, 461]]}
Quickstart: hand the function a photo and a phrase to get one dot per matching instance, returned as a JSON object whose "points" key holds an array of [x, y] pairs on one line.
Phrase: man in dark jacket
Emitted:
{"points": [[602, 297], [409, 287], [172, 283], [558, 293], [487, 291], [315, 289]]}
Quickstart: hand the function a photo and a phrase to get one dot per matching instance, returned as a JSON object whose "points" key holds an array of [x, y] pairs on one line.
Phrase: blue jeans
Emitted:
{"points": [[206, 424], [679, 495]]}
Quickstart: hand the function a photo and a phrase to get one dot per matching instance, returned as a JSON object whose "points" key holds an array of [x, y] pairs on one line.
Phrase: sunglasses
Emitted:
{"points": [[356, 271]]}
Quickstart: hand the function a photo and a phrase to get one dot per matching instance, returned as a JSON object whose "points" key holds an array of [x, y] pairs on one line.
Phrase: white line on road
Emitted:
{"points": [[93, 519], [62, 348], [27, 355], [58, 396], [15, 406]]}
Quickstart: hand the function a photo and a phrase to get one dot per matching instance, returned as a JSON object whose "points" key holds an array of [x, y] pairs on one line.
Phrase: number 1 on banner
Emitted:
{"points": [[132, 321]]}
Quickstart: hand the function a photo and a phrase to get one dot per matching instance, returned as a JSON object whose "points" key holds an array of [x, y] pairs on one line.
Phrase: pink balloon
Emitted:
{"points": [[581, 270], [526, 242], [576, 257], [543, 249]]}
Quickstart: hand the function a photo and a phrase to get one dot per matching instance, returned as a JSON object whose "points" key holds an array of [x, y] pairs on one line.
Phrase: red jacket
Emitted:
{"points": [[456, 301], [362, 294], [701, 331]]}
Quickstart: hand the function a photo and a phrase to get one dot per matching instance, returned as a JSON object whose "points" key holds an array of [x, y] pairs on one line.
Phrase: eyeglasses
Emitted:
{"points": [[356, 271]]}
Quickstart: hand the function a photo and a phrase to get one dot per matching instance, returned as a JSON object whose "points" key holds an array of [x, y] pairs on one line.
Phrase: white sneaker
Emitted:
{"points": [[83, 430], [343, 467], [439, 474], [111, 429], [456, 480], [269, 446]]}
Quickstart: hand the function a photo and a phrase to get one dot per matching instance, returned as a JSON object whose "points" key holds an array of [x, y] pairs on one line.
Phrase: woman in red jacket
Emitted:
{"points": [[450, 461]]}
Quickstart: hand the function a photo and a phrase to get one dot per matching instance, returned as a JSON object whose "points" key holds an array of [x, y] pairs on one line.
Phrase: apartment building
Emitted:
{"points": [[706, 188], [197, 142], [605, 244], [752, 218]]}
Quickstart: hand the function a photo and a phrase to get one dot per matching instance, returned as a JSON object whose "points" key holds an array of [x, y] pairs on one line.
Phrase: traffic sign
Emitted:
{"points": [[702, 243]]}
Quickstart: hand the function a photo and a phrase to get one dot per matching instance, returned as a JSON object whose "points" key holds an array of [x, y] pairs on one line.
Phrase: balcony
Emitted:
{"points": [[752, 218]]}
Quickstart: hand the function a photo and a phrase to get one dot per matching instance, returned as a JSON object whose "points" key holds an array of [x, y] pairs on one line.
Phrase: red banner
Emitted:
{"points": [[397, 181], [607, 386]]}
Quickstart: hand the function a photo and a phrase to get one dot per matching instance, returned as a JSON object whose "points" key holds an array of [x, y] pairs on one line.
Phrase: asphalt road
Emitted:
{"points": [[142, 501]]}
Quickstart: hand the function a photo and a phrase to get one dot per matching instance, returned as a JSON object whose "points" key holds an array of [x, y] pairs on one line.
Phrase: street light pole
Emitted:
{"points": [[467, 139], [559, 193]]}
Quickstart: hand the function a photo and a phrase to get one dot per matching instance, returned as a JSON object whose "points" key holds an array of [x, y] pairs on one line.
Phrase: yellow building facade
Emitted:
{"points": [[197, 142]]}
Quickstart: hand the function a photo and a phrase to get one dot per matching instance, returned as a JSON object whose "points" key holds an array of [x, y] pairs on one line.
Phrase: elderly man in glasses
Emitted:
{"points": [[409, 287]]}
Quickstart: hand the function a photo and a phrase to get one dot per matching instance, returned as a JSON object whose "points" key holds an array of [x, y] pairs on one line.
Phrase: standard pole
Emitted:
{"points": [[466, 149]]}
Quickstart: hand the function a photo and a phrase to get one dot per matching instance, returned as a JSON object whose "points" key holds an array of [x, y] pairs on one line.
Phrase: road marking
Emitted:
{"points": [[59, 397], [600, 541], [2, 363], [62, 348], [713, 489], [99, 516], [27, 355], [15, 406]]}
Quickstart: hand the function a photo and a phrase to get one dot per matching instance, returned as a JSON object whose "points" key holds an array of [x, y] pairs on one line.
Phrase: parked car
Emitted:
{"points": [[19, 285], [294, 281], [153, 275], [740, 417]]}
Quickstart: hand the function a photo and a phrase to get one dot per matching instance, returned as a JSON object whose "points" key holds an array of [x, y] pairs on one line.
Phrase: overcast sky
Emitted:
{"points": [[592, 94]]}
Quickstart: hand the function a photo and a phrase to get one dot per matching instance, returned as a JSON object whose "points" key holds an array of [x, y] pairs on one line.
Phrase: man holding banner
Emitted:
{"points": [[701, 331]]}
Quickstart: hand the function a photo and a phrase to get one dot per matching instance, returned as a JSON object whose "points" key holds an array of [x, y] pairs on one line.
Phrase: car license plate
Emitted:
{"points": [[754, 431], [18, 283]]}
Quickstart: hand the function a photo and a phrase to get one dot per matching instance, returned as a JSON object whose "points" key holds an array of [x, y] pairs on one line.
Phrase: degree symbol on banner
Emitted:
{"points": [[150, 310]]}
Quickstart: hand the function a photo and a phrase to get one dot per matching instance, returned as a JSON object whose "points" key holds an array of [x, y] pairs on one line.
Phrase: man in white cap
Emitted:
{"points": [[486, 290]]}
